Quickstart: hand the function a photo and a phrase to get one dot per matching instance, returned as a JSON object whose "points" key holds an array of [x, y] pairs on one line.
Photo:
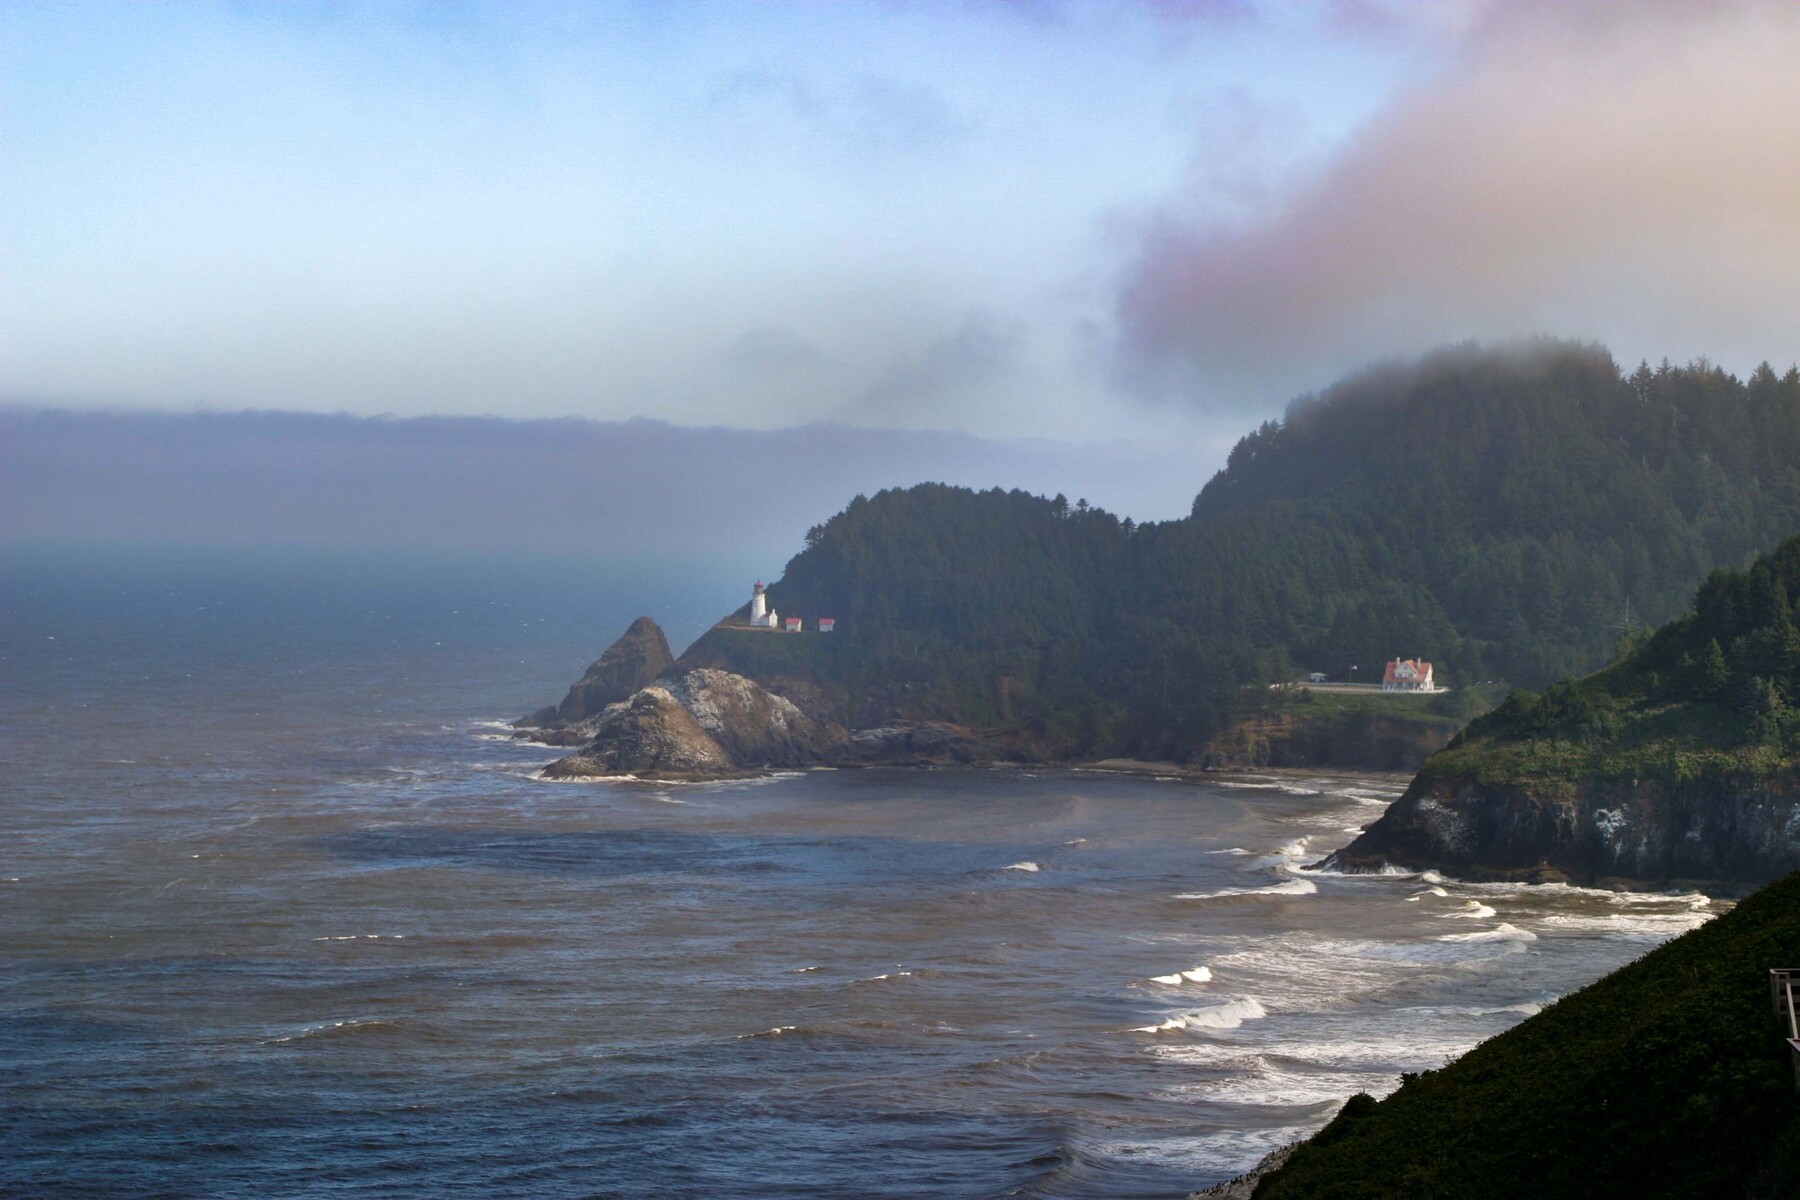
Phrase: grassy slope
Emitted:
{"points": [[1612, 725], [1666, 1078]]}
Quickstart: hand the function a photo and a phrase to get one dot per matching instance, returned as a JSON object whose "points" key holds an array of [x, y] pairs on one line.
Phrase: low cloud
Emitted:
{"points": [[585, 490], [1626, 173]]}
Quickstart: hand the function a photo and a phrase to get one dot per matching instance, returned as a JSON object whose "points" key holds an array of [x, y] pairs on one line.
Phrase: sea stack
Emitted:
{"points": [[631, 663]]}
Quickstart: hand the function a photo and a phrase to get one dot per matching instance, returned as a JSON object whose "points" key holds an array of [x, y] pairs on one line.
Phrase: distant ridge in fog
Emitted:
{"points": [[629, 488]]}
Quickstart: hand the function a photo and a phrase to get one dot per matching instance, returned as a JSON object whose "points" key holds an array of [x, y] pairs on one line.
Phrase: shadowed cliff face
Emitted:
{"points": [[1722, 835], [632, 662]]}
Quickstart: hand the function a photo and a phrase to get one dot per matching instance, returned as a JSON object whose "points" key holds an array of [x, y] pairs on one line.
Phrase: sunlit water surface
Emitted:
{"points": [[284, 912]]}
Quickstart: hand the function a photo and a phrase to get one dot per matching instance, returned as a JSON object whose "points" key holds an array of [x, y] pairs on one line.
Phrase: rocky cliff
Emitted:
{"points": [[1719, 834]]}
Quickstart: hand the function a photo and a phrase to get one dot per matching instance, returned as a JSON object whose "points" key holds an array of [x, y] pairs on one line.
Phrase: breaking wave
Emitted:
{"points": [[1229, 1015], [1291, 887]]}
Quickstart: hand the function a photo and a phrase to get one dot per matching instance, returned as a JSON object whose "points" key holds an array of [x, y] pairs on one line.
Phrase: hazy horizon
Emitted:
{"points": [[1150, 222], [636, 490]]}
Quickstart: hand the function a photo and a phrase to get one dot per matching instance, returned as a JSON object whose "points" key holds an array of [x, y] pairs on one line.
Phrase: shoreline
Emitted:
{"points": [[1138, 766]]}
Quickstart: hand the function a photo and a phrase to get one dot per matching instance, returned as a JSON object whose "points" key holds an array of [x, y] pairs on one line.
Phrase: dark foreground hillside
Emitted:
{"points": [[1667, 1078]]}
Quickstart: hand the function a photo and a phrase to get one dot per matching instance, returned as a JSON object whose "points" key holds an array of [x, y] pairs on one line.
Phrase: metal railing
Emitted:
{"points": [[1784, 998]]}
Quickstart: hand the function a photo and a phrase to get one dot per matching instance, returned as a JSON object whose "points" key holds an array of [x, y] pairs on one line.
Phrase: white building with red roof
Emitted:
{"points": [[1408, 675]]}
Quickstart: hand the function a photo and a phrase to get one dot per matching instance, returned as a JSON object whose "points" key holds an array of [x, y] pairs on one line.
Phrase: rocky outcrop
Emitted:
{"points": [[1722, 835], [756, 727], [631, 663], [697, 724], [650, 734]]}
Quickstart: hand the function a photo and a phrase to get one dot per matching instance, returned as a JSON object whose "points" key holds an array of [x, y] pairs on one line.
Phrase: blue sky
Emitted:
{"points": [[1083, 221], [910, 215]]}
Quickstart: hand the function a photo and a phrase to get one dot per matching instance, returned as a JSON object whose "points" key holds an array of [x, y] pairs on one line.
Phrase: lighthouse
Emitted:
{"points": [[760, 613]]}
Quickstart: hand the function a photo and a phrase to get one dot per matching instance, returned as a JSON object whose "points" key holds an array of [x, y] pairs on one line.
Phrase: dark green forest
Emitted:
{"points": [[1492, 510]]}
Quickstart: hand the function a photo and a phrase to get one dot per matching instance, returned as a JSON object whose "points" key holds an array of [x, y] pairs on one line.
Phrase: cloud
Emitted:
{"points": [[1628, 173]]}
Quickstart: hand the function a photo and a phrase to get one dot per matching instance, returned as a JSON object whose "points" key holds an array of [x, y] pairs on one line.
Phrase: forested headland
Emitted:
{"points": [[1675, 765], [1493, 510]]}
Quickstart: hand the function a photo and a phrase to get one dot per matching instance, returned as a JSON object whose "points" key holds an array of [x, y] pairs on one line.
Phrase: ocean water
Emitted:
{"points": [[285, 912]]}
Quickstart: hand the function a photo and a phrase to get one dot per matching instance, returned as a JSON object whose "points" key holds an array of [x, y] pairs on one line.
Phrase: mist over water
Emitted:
{"points": [[284, 910]]}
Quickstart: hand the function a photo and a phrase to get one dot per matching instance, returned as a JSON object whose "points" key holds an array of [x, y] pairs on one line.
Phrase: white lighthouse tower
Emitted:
{"points": [[761, 614]]}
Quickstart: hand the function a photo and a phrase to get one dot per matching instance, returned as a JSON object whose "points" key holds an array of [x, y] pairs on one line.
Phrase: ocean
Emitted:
{"points": [[285, 912]]}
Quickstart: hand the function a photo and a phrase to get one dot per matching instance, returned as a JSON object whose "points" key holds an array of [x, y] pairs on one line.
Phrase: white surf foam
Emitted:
{"points": [[1473, 909], [1630, 924], [1500, 933], [1192, 975], [1291, 887]]}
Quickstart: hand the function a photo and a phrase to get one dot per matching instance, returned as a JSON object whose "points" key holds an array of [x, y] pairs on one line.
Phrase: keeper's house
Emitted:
{"points": [[1408, 675]]}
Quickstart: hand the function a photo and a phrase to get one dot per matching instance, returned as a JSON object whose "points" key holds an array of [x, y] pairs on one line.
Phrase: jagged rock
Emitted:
{"points": [[756, 727], [649, 734], [632, 662]]}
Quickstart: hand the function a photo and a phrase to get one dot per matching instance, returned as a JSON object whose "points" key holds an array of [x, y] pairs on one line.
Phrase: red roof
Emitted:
{"points": [[1420, 668]]}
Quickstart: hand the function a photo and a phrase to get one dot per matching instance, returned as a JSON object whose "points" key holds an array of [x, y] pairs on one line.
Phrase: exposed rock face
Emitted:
{"points": [[1716, 834], [698, 723], [755, 726], [650, 734], [632, 662]]}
